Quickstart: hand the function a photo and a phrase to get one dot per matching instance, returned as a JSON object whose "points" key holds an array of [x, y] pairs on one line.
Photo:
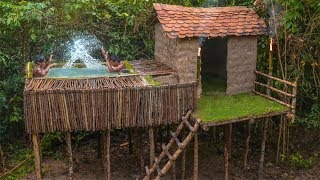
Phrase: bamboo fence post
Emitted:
{"points": [[263, 148], [106, 154], [152, 147], [37, 156], [69, 151], [247, 144], [294, 101], [196, 157]]}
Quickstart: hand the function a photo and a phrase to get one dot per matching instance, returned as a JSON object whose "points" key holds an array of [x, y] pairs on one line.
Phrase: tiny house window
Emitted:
{"points": [[213, 64]]}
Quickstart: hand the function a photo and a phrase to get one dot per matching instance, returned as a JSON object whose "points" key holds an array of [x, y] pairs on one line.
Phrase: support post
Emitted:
{"points": [[279, 139], [152, 147], [227, 150], [69, 151], [247, 143], [37, 155], [106, 154], [183, 161], [196, 157], [263, 147], [130, 140], [2, 159], [229, 140]]}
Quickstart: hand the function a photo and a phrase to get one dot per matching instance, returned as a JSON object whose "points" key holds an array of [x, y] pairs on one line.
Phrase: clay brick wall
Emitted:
{"points": [[241, 64], [179, 54]]}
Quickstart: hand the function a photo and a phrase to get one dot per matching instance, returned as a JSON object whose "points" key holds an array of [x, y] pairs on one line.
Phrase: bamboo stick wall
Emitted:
{"points": [[103, 103]]}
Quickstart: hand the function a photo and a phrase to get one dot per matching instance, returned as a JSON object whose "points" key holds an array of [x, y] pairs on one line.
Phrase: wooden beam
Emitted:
{"points": [[274, 89], [106, 154], [205, 125], [37, 154], [274, 78], [273, 99]]}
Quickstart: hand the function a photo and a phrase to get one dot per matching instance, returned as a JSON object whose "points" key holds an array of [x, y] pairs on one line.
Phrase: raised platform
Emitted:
{"points": [[219, 109], [151, 67]]}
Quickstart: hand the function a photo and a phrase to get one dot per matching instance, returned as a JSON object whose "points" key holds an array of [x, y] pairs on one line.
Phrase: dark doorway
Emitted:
{"points": [[214, 64]]}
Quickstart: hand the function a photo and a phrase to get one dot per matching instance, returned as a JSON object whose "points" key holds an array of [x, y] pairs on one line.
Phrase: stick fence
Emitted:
{"points": [[100, 103]]}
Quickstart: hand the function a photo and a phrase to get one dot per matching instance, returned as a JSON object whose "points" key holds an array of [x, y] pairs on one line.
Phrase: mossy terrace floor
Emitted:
{"points": [[216, 106]]}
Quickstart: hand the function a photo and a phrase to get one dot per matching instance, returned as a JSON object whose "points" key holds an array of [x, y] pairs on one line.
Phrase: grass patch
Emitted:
{"points": [[152, 81], [215, 105]]}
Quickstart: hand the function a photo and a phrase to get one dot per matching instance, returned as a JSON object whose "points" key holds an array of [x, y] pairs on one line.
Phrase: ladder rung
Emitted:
{"points": [[186, 122], [164, 148], [147, 170], [176, 139], [156, 161]]}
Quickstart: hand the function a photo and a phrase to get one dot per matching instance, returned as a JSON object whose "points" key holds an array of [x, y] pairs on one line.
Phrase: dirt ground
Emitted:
{"points": [[87, 164]]}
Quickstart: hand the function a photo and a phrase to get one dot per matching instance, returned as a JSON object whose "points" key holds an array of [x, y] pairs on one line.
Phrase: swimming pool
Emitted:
{"points": [[79, 73]]}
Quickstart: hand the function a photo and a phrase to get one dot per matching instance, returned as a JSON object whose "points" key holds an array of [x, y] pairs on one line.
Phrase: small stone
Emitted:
{"points": [[285, 175]]}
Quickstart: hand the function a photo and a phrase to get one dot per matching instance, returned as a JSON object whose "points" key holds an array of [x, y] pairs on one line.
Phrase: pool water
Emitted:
{"points": [[79, 73]]}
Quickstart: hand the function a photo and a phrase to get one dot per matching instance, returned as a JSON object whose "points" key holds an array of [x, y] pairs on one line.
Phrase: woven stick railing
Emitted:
{"points": [[290, 92], [103, 108]]}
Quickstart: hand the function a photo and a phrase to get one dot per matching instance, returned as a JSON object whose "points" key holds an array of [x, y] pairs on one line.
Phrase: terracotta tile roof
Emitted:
{"points": [[181, 22]]}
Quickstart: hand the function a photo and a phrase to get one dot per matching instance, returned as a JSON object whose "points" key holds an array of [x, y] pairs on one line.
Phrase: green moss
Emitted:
{"points": [[151, 81], [215, 105]]}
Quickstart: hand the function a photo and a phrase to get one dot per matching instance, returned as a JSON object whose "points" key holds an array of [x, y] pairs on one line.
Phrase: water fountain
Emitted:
{"points": [[79, 51]]}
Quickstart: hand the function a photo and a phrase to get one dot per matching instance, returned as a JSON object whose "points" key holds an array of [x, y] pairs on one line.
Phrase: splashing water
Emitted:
{"points": [[80, 48]]}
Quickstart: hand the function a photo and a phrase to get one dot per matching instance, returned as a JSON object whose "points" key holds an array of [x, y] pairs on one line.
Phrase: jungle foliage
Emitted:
{"points": [[126, 26]]}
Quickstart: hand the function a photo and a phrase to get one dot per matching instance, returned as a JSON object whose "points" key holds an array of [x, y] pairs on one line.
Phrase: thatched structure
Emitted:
{"points": [[102, 103]]}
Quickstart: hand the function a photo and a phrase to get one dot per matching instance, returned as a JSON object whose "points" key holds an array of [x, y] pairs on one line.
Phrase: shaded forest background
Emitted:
{"points": [[126, 28]]}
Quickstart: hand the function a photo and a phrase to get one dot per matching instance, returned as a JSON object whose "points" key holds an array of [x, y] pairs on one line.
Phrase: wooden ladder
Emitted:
{"points": [[174, 140]]}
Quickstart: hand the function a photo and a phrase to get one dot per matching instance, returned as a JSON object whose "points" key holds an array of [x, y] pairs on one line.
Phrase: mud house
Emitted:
{"points": [[229, 49]]}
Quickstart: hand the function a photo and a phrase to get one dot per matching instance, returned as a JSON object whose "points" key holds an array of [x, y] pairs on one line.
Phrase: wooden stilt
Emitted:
{"points": [[183, 160], [141, 153], [247, 143], [69, 150], [160, 134], [279, 140], [37, 156], [263, 147], [152, 147], [130, 141], [174, 175], [226, 154], [99, 142], [229, 140], [2, 159], [196, 157], [106, 154]]}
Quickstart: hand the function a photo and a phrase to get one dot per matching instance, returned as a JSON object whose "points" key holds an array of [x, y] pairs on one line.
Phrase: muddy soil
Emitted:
{"points": [[87, 164]]}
